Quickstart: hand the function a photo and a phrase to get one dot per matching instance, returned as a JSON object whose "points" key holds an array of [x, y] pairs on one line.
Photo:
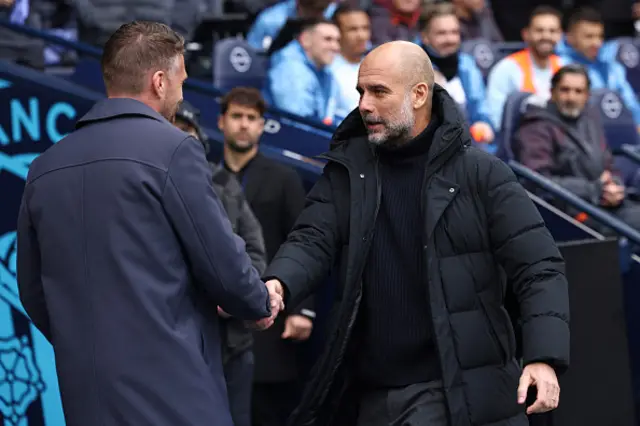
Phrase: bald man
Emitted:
{"points": [[427, 234]]}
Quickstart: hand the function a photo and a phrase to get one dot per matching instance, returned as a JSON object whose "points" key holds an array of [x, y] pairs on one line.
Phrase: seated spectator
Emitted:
{"points": [[394, 20], [270, 21], [582, 45], [17, 47], [355, 37], [440, 38], [476, 20], [98, 19], [529, 70], [303, 83], [565, 143]]}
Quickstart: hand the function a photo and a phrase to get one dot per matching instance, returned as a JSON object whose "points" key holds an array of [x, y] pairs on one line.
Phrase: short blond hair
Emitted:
{"points": [[433, 11]]}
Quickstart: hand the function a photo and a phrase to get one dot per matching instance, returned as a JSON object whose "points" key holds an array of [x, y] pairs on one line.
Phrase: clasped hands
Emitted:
{"points": [[276, 302]]}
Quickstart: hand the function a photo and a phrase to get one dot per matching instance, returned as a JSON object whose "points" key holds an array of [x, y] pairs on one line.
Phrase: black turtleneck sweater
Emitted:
{"points": [[396, 346]]}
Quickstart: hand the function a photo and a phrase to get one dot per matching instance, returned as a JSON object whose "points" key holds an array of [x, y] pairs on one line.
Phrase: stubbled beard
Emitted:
{"points": [[237, 148], [397, 130]]}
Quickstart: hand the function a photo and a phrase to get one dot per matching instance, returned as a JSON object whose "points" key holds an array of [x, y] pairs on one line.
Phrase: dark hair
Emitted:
{"points": [[435, 10], [545, 10], [311, 23], [345, 9], [135, 49], [584, 14], [243, 96], [315, 6], [570, 69]]}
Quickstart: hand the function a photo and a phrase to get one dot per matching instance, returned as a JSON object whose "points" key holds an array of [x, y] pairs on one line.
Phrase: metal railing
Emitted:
{"points": [[592, 211]]}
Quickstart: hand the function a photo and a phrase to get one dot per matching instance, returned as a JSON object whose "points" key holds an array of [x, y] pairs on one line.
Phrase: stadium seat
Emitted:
{"points": [[484, 53], [514, 107], [628, 54], [619, 125], [235, 63], [620, 129]]}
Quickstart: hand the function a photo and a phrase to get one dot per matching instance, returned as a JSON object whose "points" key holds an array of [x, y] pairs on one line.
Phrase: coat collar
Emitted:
{"points": [[110, 108], [349, 141]]}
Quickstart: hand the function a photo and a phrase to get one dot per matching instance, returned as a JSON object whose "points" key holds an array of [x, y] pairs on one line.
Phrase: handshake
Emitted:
{"points": [[276, 301]]}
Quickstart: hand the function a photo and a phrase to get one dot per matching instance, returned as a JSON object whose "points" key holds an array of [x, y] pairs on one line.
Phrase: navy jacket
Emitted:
{"points": [[124, 252]]}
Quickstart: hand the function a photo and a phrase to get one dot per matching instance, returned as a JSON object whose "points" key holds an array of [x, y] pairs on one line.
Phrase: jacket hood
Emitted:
{"points": [[452, 121]]}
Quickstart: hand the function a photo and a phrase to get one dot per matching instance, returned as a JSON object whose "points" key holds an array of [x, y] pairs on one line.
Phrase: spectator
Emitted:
{"points": [[98, 19], [394, 20], [476, 20], [582, 45], [270, 21], [276, 196], [237, 356], [440, 38], [16, 47], [566, 143], [529, 70], [303, 83], [355, 37]]}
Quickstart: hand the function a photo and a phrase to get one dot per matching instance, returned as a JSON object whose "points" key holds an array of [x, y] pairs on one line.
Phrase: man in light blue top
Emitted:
{"points": [[303, 84], [529, 70], [440, 37], [271, 20], [583, 45]]}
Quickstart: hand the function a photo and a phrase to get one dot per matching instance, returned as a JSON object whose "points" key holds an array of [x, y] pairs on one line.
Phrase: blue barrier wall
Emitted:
{"points": [[33, 116]]}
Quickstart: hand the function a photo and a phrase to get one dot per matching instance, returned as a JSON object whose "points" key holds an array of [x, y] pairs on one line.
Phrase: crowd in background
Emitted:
{"points": [[314, 73]]}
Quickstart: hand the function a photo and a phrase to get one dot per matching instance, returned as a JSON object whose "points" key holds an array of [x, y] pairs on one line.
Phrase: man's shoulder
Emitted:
{"points": [[483, 166]]}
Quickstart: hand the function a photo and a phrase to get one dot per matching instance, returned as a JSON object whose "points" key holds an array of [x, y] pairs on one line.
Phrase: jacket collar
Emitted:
{"points": [[452, 135], [110, 108]]}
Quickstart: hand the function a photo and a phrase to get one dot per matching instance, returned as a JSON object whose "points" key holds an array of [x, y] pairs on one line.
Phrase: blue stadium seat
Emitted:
{"points": [[514, 107], [627, 51], [619, 125], [235, 63], [507, 48], [619, 129], [484, 53]]}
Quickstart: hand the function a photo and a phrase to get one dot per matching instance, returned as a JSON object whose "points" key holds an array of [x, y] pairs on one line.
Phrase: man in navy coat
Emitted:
{"points": [[124, 252]]}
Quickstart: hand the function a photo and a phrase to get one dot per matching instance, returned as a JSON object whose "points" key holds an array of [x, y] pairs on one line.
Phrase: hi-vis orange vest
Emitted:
{"points": [[523, 59]]}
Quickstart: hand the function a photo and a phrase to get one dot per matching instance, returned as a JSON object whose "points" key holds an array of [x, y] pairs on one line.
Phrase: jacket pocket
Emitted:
{"points": [[497, 329]]}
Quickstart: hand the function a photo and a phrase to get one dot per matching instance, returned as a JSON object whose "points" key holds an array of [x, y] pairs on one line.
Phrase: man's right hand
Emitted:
{"points": [[276, 300]]}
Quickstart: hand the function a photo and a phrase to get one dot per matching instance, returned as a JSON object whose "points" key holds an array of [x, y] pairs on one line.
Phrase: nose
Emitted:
{"points": [[365, 106]]}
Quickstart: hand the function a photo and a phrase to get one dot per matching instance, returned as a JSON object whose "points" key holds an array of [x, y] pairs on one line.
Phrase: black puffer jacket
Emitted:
{"points": [[485, 238]]}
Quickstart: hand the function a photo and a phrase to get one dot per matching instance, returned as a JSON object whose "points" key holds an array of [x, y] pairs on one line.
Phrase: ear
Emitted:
{"points": [[524, 33], [221, 122], [305, 40], [569, 37], [159, 82], [420, 94], [424, 37]]}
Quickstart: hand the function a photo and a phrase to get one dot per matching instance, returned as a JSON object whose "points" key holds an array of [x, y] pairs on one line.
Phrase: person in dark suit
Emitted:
{"points": [[124, 248], [237, 353], [276, 196]]}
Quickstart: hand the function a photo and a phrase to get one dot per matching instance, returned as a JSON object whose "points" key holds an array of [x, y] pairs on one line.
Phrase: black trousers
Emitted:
{"points": [[238, 373], [421, 404], [273, 403]]}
